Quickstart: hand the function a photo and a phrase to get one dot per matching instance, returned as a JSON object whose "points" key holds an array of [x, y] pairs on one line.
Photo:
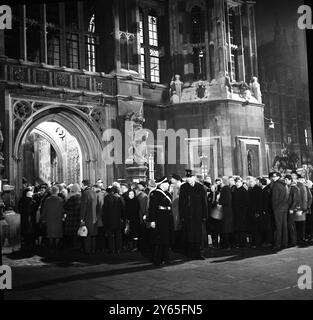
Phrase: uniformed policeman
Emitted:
{"points": [[160, 217]]}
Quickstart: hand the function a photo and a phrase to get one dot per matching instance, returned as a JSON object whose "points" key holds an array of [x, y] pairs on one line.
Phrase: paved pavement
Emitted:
{"points": [[236, 274]]}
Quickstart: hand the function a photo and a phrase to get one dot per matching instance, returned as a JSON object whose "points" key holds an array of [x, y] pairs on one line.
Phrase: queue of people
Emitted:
{"points": [[169, 214]]}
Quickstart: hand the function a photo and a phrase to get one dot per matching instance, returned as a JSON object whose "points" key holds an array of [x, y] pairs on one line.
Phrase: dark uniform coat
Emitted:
{"points": [[240, 202], [193, 209], [160, 212]]}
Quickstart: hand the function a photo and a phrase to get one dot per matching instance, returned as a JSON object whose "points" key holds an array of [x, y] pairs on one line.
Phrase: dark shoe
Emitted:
{"points": [[303, 244], [157, 263], [199, 258]]}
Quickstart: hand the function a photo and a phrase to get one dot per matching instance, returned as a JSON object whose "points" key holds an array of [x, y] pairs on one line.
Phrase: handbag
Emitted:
{"points": [[82, 231], [299, 213], [217, 213], [38, 215]]}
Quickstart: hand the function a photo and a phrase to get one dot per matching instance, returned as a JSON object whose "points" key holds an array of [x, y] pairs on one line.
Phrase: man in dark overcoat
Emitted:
{"points": [[240, 203], [113, 213], [254, 221], [266, 214], [193, 209], [280, 197], [160, 216]]}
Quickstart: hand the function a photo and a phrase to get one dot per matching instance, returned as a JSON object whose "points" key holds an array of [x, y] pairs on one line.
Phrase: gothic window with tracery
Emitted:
{"points": [[127, 35], [91, 46], [197, 40], [231, 40], [149, 46]]}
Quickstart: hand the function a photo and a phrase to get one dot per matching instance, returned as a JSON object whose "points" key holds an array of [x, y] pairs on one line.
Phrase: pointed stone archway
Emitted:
{"points": [[78, 125]]}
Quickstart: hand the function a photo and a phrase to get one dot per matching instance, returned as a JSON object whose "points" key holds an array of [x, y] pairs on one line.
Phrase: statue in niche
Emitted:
{"points": [[137, 152], [224, 80], [256, 89], [176, 86], [201, 90]]}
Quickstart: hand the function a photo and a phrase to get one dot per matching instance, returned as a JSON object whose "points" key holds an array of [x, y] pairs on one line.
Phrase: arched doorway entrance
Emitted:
{"points": [[51, 154], [62, 119]]}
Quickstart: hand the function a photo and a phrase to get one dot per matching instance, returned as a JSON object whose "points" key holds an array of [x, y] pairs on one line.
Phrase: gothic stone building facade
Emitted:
{"points": [[89, 66], [284, 82]]}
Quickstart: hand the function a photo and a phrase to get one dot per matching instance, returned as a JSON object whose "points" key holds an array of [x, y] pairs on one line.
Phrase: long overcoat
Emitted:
{"points": [[226, 202], [240, 203], [113, 212], [53, 212], [88, 211], [193, 209]]}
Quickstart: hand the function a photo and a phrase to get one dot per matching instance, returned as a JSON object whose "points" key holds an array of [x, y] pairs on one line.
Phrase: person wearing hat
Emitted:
{"points": [[27, 210], [280, 210], [160, 217], [305, 203], [123, 192], [100, 193], [113, 213], [100, 183], [88, 215], [53, 213], [193, 210]]}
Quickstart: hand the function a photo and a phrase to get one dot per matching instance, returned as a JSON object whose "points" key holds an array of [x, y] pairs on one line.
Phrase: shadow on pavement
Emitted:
{"points": [[89, 276], [240, 254]]}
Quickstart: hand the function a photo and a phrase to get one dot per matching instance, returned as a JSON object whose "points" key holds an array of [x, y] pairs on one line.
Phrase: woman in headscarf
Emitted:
{"points": [[72, 212], [27, 209], [132, 216]]}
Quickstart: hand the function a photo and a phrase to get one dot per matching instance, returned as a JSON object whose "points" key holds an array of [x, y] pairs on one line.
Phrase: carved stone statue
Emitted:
{"points": [[200, 90], [176, 89], [256, 89], [224, 80], [137, 152], [287, 160]]}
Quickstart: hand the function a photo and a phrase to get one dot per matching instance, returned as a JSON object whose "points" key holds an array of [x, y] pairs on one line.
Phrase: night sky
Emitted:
{"points": [[267, 12]]}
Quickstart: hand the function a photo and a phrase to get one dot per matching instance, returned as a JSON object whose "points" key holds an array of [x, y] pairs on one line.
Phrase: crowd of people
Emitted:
{"points": [[183, 215]]}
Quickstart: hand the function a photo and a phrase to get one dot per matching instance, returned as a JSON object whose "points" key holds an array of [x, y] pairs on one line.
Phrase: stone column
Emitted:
{"points": [[219, 34], [249, 40], [23, 49], [116, 35], [43, 34]]}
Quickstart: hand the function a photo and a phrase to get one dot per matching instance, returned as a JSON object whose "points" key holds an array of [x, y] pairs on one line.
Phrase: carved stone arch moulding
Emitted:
{"points": [[147, 7], [195, 3], [23, 109]]}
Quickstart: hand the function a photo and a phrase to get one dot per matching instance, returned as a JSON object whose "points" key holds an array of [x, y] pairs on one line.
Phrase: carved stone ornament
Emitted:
{"points": [[137, 151]]}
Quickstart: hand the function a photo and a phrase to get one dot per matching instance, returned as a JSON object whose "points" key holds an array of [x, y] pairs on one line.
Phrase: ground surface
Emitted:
{"points": [[235, 274]]}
